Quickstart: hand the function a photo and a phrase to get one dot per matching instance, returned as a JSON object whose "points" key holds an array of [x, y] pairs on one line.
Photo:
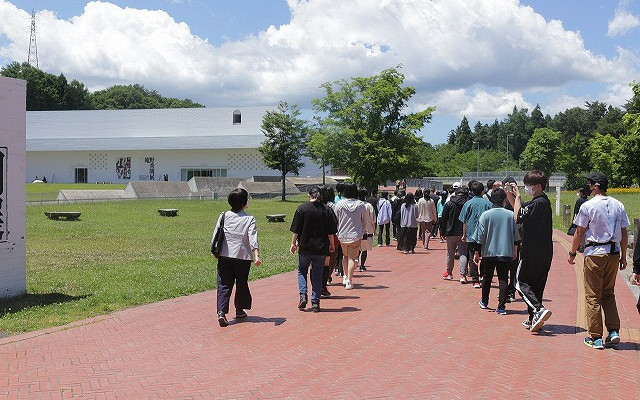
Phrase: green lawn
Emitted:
{"points": [[122, 254], [631, 203]]}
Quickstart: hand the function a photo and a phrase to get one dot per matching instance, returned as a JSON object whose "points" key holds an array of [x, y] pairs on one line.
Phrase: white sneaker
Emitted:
{"points": [[349, 285], [345, 279]]}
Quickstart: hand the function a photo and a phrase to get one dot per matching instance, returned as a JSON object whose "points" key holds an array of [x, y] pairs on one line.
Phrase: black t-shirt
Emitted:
{"points": [[535, 217], [313, 222]]}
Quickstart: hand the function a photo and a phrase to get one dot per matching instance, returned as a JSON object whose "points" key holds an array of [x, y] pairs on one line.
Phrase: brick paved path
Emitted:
{"points": [[402, 333]]}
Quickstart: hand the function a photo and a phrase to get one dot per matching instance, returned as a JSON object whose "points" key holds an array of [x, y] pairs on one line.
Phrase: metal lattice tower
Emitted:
{"points": [[33, 47]]}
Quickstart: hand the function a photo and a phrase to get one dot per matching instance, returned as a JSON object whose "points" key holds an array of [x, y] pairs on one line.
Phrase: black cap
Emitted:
{"points": [[596, 177]]}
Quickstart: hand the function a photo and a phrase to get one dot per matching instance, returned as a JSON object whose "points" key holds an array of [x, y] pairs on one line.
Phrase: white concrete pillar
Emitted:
{"points": [[13, 266]]}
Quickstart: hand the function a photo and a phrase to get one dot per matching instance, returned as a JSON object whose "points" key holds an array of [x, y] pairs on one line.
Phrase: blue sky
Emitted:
{"points": [[476, 58]]}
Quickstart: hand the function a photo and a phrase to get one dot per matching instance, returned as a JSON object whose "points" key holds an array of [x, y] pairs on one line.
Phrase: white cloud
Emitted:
{"points": [[479, 103], [622, 22], [449, 49]]}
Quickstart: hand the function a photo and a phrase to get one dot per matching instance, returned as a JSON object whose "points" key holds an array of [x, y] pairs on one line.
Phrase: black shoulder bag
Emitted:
{"points": [[218, 238]]}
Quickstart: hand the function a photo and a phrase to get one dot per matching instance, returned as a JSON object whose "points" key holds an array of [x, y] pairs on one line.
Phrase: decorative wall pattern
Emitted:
{"points": [[98, 161], [246, 161], [152, 171], [123, 168]]}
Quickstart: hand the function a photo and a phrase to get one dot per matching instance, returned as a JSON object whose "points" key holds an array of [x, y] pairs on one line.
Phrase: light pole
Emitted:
{"points": [[506, 161]]}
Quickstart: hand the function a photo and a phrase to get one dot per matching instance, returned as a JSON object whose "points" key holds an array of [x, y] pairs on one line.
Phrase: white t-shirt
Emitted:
{"points": [[604, 217]]}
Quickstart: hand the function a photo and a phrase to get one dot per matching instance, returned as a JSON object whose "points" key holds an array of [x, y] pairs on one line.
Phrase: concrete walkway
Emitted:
{"points": [[402, 333]]}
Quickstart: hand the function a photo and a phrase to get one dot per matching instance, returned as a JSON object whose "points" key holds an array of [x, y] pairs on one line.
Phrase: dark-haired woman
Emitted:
{"points": [[409, 223], [234, 262]]}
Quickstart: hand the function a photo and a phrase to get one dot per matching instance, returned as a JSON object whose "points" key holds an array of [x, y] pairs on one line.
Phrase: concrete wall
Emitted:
{"points": [[13, 267], [102, 166]]}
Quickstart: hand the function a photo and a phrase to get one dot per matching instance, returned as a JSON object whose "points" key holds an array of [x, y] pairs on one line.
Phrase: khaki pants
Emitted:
{"points": [[600, 273]]}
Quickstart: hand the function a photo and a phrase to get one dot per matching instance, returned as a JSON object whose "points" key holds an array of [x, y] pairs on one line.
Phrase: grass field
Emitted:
{"points": [[122, 254]]}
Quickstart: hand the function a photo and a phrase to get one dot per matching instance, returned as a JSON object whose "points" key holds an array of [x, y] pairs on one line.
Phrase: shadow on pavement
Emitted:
{"points": [[253, 319], [342, 309], [554, 330], [332, 297]]}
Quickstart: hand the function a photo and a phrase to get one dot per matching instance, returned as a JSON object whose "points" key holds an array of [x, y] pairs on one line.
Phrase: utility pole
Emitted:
{"points": [[33, 47]]}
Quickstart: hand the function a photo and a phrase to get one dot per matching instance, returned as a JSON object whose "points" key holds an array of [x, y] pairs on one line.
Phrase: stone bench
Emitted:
{"points": [[168, 212], [68, 215], [276, 217]]}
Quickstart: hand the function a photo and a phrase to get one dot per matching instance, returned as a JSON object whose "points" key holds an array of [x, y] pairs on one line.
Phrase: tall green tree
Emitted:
{"points": [[284, 145], [604, 150], [464, 137], [323, 147], [127, 97], [379, 136], [629, 153], [541, 149]]}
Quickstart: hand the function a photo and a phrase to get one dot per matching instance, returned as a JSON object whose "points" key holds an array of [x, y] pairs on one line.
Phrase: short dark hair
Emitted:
{"points": [[362, 194], [350, 191], [497, 196], [314, 192], [536, 177], [384, 194], [490, 183], [418, 193], [477, 188], [339, 187], [238, 199]]}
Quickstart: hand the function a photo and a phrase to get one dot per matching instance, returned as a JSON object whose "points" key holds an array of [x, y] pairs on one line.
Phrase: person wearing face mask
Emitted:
{"points": [[536, 251], [603, 221]]}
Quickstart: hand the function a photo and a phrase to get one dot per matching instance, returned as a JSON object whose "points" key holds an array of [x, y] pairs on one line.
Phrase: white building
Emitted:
{"points": [[120, 146]]}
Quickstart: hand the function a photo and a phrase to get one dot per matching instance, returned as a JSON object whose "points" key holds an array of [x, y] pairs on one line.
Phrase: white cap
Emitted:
{"points": [[456, 185]]}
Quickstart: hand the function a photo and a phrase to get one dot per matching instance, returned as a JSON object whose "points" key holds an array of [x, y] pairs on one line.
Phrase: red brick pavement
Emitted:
{"points": [[402, 333]]}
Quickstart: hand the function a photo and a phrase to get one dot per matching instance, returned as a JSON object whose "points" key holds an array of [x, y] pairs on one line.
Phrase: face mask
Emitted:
{"points": [[528, 190]]}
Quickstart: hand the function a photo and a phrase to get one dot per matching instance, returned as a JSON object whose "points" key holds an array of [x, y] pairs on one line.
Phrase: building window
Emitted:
{"points": [[188, 173], [81, 175], [237, 117]]}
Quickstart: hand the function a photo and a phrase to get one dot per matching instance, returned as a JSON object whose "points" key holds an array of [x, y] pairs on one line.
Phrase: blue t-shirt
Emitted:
{"points": [[470, 215]]}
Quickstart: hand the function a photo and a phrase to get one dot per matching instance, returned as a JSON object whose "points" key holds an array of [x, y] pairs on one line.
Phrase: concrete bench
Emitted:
{"points": [[168, 212], [276, 217], [68, 215]]}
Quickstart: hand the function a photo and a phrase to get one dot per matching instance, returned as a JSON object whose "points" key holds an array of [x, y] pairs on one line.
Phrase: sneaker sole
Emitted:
{"points": [[593, 346], [538, 325], [484, 307], [222, 322], [612, 342]]}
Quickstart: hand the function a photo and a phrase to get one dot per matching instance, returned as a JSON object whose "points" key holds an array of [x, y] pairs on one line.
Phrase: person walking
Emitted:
{"points": [[234, 261], [370, 230], [331, 261], [451, 230], [313, 230], [469, 216], [427, 216], [384, 218], [497, 235], [395, 217], [536, 251], [603, 221], [351, 214], [409, 224]]}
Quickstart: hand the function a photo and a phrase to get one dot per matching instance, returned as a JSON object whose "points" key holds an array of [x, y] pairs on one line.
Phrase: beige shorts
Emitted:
{"points": [[351, 250]]}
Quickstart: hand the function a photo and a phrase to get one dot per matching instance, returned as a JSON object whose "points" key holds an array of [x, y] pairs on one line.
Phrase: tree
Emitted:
{"points": [[604, 152], [378, 136], [572, 160], [128, 97], [285, 143], [629, 153], [541, 149], [464, 137], [323, 146]]}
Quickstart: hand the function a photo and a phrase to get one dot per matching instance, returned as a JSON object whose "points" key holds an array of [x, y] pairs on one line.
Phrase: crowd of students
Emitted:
{"points": [[490, 230]]}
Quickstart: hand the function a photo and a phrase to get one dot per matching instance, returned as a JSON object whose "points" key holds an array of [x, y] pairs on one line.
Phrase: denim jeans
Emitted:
{"points": [[317, 266]]}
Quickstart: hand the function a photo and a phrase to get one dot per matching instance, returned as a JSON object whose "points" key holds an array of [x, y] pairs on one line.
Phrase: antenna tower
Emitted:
{"points": [[33, 47]]}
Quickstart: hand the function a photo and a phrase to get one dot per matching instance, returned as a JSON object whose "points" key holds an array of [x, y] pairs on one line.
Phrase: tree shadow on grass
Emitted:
{"points": [[29, 300]]}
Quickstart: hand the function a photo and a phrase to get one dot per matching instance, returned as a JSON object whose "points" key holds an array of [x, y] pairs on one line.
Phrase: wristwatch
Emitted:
{"points": [[572, 253]]}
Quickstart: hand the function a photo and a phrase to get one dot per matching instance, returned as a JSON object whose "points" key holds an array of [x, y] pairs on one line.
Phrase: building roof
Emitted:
{"points": [[155, 129]]}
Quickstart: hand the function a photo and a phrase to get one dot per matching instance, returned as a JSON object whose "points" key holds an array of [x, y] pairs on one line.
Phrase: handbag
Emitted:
{"points": [[572, 230], [218, 238]]}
